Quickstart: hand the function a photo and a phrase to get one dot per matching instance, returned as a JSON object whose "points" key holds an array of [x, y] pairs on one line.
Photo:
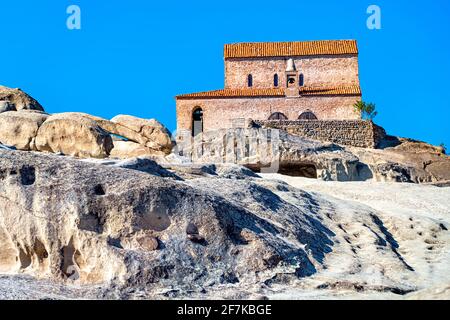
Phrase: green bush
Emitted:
{"points": [[366, 109]]}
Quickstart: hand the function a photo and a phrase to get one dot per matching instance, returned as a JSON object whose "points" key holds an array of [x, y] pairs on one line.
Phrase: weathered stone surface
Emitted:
{"points": [[98, 215], [129, 231], [273, 150], [117, 129], [6, 106], [140, 241], [156, 136], [405, 160], [134, 141], [268, 150], [73, 134], [356, 133], [129, 149], [18, 99], [19, 128]]}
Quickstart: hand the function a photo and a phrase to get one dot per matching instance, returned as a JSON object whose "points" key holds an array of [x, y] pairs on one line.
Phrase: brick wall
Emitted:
{"points": [[219, 113], [357, 133], [317, 71]]}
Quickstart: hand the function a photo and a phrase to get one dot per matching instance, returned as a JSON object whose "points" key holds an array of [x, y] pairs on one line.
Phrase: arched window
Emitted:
{"points": [[278, 116], [307, 115], [250, 80], [197, 121], [301, 80], [275, 80]]}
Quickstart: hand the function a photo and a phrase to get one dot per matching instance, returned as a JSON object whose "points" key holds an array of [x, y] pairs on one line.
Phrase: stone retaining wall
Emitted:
{"points": [[356, 133]]}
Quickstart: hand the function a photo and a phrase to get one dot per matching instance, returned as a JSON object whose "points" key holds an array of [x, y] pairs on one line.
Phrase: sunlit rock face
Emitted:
{"points": [[16, 99], [137, 229]]}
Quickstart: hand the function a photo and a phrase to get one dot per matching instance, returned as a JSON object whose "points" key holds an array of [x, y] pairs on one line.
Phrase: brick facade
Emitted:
{"points": [[219, 113], [317, 71]]}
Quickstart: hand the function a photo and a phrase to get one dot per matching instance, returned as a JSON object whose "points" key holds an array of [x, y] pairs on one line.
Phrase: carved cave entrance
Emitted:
{"points": [[306, 170], [197, 121]]}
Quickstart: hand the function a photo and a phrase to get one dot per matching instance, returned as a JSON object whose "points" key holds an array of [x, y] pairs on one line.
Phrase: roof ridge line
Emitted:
{"points": [[274, 92]]}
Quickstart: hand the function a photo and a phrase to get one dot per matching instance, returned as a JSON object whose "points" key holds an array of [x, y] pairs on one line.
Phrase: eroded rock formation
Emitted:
{"points": [[75, 135], [19, 128], [272, 150], [155, 135], [137, 228]]}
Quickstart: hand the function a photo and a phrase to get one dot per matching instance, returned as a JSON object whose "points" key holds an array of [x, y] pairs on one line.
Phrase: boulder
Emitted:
{"points": [[135, 140], [129, 149], [117, 129], [73, 134], [18, 99], [19, 128], [156, 136]]}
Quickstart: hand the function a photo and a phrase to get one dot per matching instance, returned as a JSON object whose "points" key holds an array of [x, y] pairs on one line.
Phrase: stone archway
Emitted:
{"points": [[278, 116], [197, 121], [306, 170], [307, 115]]}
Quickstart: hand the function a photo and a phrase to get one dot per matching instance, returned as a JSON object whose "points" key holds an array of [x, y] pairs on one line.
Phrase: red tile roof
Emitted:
{"points": [[336, 90], [290, 49], [272, 92]]}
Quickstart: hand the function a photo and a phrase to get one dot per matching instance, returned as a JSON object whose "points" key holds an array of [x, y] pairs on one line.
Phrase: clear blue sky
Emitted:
{"points": [[134, 56]]}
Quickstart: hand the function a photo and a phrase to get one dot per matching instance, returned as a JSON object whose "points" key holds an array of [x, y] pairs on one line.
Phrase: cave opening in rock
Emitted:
{"points": [[306, 170]]}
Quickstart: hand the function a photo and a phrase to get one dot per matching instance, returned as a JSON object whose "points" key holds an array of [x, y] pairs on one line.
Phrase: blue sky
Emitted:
{"points": [[134, 56]]}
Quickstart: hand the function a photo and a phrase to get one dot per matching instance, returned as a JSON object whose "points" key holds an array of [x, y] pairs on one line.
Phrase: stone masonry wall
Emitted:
{"points": [[317, 71], [219, 113], [356, 133]]}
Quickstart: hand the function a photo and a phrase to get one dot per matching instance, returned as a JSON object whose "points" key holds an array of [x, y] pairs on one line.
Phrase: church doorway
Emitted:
{"points": [[197, 121]]}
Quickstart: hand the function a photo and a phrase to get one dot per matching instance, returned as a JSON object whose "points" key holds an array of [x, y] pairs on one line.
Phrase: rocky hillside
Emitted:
{"points": [[398, 160], [25, 126], [135, 230], [99, 208]]}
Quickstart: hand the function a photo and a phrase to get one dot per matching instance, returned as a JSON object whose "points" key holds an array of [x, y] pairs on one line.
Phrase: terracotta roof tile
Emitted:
{"points": [[245, 92], [337, 90], [290, 49], [271, 92]]}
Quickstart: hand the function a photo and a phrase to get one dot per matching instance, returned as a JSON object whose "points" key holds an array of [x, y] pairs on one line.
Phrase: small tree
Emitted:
{"points": [[366, 109]]}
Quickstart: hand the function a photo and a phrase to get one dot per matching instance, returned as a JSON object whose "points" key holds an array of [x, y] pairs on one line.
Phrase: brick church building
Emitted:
{"points": [[277, 81]]}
